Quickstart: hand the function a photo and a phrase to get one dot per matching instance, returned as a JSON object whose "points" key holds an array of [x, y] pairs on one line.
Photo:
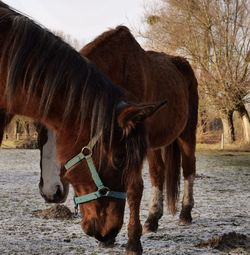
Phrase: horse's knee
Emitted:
{"points": [[188, 166]]}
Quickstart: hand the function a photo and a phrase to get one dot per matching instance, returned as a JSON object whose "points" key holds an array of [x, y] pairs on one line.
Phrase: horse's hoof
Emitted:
{"points": [[133, 252], [108, 244], [150, 226], [185, 216], [134, 248], [185, 222]]}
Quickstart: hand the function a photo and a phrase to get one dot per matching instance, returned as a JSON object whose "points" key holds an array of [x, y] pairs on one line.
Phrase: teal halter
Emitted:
{"points": [[102, 191]]}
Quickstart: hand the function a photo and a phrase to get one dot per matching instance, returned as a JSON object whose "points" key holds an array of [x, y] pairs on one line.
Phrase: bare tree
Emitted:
{"points": [[215, 36]]}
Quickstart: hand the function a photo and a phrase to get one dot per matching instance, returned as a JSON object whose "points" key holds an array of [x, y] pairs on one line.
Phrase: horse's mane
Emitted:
{"points": [[32, 56]]}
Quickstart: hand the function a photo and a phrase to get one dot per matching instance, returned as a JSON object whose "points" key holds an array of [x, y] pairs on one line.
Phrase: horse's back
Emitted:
{"points": [[173, 70]]}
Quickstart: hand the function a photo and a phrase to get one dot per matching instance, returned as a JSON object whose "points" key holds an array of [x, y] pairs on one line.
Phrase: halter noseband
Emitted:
{"points": [[102, 191]]}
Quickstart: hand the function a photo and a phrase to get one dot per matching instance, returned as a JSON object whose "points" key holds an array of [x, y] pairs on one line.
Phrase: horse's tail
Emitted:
{"points": [[172, 158], [193, 104]]}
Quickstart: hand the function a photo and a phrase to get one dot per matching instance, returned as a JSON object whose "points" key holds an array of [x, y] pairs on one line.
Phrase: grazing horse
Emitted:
{"points": [[101, 136], [152, 76], [52, 186]]}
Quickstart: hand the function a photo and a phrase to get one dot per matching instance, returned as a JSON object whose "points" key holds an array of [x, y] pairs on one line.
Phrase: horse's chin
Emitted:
{"points": [[58, 198], [55, 200]]}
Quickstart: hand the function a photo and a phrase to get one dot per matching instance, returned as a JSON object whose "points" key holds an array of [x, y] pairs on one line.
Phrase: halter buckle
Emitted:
{"points": [[87, 151], [104, 191]]}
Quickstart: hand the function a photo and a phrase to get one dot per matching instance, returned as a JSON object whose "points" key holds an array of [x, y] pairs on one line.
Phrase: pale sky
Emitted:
{"points": [[83, 19]]}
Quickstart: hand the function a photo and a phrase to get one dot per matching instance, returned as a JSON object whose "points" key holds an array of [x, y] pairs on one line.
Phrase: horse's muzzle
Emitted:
{"points": [[93, 229]]}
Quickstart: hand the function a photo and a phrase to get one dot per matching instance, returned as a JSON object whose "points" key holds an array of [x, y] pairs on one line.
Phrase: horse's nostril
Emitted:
{"points": [[109, 238], [58, 188], [108, 244], [41, 183], [94, 227], [58, 193]]}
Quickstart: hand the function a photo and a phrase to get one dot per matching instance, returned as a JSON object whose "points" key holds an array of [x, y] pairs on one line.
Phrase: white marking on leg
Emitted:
{"points": [[188, 191], [50, 167], [156, 202]]}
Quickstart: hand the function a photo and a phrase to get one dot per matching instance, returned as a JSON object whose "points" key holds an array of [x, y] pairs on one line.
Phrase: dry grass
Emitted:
{"points": [[8, 144], [55, 212], [229, 147], [228, 242], [19, 144]]}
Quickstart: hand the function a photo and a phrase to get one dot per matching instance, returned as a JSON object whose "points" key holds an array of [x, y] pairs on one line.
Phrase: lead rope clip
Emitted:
{"points": [[76, 211]]}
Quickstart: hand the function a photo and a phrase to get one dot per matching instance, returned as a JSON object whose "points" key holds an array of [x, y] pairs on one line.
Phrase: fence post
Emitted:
{"points": [[222, 142]]}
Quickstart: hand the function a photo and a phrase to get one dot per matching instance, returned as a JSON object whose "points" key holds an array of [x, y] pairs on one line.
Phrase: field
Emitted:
{"points": [[221, 214]]}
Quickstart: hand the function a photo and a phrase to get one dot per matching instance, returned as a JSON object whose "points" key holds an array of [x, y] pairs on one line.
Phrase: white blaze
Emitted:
{"points": [[50, 167]]}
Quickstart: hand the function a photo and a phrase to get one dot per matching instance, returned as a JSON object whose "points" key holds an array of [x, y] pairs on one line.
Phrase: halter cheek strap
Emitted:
{"points": [[102, 191]]}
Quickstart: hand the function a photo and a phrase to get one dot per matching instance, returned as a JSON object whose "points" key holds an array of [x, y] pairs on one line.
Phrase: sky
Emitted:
{"points": [[83, 19]]}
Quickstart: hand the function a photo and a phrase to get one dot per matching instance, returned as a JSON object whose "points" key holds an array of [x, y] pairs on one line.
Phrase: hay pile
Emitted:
{"points": [[61, 212], [228, 242]]}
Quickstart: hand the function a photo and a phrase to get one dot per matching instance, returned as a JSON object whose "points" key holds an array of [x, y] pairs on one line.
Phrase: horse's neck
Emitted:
{"points": [[30, 109], [109, 62], [120, 64], [67, 129]]}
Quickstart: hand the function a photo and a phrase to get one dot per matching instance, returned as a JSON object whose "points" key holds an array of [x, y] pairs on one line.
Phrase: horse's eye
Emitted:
{"points": [[119, 159]]}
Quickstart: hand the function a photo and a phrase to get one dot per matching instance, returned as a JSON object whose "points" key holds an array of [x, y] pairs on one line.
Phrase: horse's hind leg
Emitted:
{"points": [[156, 170], [188, 164]]}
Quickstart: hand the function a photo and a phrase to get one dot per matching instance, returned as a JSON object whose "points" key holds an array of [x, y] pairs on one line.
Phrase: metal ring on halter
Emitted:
{"points": [[104, 191], [86, 151]]}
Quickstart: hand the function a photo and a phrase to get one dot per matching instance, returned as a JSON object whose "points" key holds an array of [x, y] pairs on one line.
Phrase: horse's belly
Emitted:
{"points": [[167, 124]]}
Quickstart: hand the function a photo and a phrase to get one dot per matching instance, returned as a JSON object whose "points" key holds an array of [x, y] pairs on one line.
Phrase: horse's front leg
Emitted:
{"points": [[134, 192]]}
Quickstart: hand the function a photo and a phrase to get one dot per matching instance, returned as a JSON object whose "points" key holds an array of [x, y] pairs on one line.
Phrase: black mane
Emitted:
{"points": [[45, 66]]}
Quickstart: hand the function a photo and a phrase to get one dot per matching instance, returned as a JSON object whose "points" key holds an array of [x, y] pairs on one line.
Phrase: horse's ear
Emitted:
{"points": [[131, 115]]}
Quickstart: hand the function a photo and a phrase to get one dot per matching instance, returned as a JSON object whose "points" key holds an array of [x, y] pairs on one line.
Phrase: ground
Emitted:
{"points": [[222, 208]]}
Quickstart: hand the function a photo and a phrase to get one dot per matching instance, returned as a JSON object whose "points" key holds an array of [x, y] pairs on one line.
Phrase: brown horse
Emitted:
{"points": [[44, 78], [152, 76]]}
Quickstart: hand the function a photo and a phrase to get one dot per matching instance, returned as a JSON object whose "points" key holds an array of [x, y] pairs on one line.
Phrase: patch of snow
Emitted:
{"points": [[222, 205]]}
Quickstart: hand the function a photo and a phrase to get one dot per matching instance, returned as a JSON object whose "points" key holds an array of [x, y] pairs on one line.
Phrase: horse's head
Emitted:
{"points": [[118, 155], [52, 186]]}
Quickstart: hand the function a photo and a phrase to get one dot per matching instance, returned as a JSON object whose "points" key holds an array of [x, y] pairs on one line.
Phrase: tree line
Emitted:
{"points": [[214, 35]]}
